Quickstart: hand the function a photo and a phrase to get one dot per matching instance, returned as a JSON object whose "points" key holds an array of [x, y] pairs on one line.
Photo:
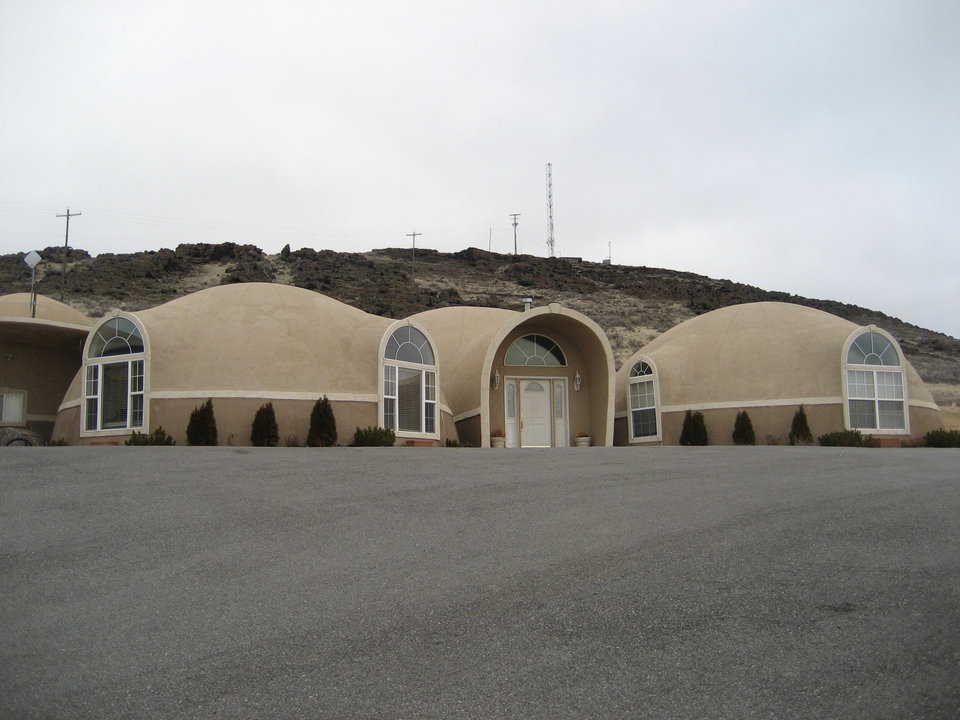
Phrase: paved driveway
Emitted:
{"points": [[764, 582]]}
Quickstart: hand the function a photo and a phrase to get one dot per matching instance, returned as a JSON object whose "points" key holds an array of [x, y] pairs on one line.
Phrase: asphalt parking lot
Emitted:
{"points": [[766, 582]]}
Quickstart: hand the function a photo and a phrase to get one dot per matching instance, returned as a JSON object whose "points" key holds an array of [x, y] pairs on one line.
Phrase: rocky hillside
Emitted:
{"points": [[633, 304]]}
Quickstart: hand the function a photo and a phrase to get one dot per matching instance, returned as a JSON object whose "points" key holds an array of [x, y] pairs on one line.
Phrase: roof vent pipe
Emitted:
{"points": [[527, 303]]}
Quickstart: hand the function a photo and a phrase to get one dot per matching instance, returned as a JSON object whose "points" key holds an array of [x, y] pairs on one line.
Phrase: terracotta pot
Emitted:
{"points": [[583, 441], [498, 441]]}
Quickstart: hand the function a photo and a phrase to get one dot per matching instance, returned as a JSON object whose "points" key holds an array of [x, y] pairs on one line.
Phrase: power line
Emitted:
{"points": [[66, 243], [514, 216]]}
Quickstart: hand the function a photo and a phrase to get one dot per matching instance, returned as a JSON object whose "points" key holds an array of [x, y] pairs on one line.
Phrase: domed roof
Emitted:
{"points": [[462, 335], [262, 337], [17, 305], [753, 352]]}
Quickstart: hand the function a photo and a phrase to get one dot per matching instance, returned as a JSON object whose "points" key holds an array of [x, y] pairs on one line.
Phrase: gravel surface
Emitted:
{"points": [[767, 582]]}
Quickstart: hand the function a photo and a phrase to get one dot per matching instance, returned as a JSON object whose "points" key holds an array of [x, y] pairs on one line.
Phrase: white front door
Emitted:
{"points": [[534, 413]]}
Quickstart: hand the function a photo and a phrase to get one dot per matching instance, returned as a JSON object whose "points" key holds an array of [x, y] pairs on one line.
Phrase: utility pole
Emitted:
{"points": [[66, 243], [515, 216], [550, 244], [413, 256], [490, 240]]}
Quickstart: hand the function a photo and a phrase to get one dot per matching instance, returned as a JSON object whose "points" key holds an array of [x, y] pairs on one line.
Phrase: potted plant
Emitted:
{"points": [[583, 439], [497, 439]]}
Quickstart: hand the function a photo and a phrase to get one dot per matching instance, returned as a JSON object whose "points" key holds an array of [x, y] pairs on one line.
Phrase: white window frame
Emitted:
{"points": [[4, 393], [424, 402], [874, 370], [539, 334], [654, 378], [99, 363]]}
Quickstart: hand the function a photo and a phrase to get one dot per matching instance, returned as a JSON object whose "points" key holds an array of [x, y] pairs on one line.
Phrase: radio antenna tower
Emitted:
{"points": [[550, 241]]}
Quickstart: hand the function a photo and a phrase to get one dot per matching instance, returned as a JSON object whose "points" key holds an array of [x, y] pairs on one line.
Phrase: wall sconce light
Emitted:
{"points": [[577, 381], [496, 379]]}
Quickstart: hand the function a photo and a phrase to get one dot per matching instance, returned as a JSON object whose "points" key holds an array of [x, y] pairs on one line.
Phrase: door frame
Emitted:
{"points": [[550, 410]]}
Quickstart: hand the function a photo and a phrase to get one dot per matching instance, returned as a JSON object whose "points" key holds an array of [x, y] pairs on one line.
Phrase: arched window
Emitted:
{"points": [[643, 402], [875, 392], [535, 350], [114, 377], [409, 383]]}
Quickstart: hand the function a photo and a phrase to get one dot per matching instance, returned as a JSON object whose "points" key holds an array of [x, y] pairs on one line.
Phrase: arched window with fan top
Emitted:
{"points": [[642, 390], [876, 397], [114, 377], [409, 383]]}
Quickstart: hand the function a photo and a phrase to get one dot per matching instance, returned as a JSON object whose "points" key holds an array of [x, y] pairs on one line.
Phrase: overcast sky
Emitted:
{"points": [[811, 147]]}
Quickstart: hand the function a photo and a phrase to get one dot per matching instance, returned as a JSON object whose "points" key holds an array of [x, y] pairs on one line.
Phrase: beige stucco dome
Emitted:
{"points": [[753, 352], [261, 337], [17, 306]]}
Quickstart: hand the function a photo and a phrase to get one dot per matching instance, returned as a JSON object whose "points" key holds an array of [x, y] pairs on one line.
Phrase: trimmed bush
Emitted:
{"points": [[323, 425], [374, 437], [845, 438], [157, 437], [202, 428], [942, 438], [264, 431], [743, 430], [694, 430], [799, 429]]}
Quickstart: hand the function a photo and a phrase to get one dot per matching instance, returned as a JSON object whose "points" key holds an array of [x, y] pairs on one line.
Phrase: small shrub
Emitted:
{"points": [[264, 431], [942, 438], [844, 438], [323, 425], [799, 429], [157, 437], [694, 430], [772, 440], [202, 428], [374, 437], [291, 441], [743, 430], [452, 443]]}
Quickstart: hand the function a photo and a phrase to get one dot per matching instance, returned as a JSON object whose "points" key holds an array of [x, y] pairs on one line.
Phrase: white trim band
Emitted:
{"points": [[836, 400], [773, 403], [67, 404], [260, 395], [466, 415]]}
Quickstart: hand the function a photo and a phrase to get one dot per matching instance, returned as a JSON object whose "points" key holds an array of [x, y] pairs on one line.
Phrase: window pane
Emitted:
{"points": [[862, 414], [390, 413], [136, 381], [641, 395], [430, 391], [11, 407], [136, 410], [429, 417], [511, 391], [558, 399], [390, 380], [92, 371], [644, 422], [891, 414], [91, 414], [408, 386], [115, 393], [535, 351], [890, 386], [860, 383], [641, 368]]}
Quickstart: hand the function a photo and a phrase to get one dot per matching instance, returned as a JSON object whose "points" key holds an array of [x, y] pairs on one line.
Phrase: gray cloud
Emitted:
{"points": [[803, 147]]}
